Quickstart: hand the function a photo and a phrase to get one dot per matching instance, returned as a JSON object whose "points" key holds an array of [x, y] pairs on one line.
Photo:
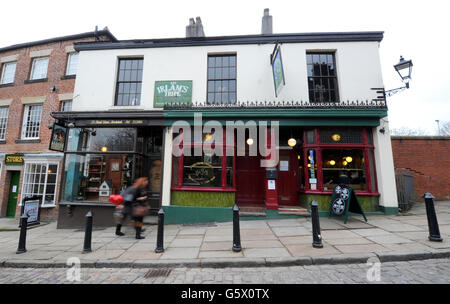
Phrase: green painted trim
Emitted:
{"points": [[389, 210], [202, 199]]}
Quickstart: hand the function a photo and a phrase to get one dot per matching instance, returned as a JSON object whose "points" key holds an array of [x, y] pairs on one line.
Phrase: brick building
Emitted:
{"points": [[36, 79], [427, 158]]}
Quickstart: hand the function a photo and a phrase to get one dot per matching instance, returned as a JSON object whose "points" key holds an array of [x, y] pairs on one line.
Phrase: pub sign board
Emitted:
{"points": [[14, 159], [58, 139], [343, 201], [277, 71], [173, 91]]}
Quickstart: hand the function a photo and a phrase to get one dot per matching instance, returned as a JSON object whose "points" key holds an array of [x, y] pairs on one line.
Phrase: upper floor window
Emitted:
{"points": [[72, 63], [221, 79], [8, 72], [3, 121], [31, 121], [129, 82], [322, 79], [39, 68], [66, 105]]}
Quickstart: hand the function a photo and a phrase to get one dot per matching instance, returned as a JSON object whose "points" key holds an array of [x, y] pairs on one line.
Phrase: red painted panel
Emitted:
{"points": [[288, 184], [249, 180]]}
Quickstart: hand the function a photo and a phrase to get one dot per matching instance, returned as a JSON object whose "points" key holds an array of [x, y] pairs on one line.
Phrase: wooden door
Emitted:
{"points": [[13, 192], [249, 181], [288, 178]]}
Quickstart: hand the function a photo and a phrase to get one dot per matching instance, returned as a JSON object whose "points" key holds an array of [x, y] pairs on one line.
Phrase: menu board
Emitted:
{"points": [[32, 210]]}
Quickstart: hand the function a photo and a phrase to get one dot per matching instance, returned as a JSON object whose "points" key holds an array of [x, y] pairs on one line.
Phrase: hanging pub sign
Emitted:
{"points": [[14, 159], [174, 91], [277, 70], [58, 139], [343, 201]]}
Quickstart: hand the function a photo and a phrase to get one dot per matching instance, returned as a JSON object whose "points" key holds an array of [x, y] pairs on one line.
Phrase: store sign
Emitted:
{"points": [[177, 91], [201, 173], [277, 70], [117, 122], [58, 139], [14, 159]]}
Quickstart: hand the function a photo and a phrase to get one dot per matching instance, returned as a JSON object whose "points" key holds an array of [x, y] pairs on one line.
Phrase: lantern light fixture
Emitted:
{"points": [[349, 159], [292, 142], [332, 162], [250, 141], [104, 149], [404, 69]]}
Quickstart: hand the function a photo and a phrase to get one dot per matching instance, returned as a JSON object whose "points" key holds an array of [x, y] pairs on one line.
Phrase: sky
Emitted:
{"points": [[417, 30]]}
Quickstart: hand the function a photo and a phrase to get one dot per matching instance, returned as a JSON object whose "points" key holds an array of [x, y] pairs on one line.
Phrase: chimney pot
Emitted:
{"points": [[266, 26]]}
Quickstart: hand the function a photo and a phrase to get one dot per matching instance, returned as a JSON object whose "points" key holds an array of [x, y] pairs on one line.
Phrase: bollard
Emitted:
{"points": [[317, 238], [23, 234], [88, 233], [236, 233], [433, 225], [160, 236]]}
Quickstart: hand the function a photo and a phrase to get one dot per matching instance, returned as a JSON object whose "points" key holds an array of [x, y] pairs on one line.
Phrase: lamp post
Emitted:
{"points": [[404, 69]]}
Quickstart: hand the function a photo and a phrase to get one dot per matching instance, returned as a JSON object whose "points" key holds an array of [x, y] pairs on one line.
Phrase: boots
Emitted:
{"points": [[138, 233], [118, 232]]}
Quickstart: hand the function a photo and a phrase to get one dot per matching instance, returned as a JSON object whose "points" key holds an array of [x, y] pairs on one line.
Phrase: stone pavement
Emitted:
{"points": [[285, 242]]}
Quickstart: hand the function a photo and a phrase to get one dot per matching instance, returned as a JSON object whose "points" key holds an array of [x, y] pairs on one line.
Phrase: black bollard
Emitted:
{"points": [[160, 236], [23, 234], [433, 225], [88, 233], [236, 232], [317, 238]]}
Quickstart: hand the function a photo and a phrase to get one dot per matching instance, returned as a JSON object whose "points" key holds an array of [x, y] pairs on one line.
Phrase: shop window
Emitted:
{"points": [[221, 79], [129, 82], [8, 72], [40, 179], [3, 122], [31, 121], [39, 68], [102, 139], [312, 169], [344, 167], [341, 136], [322, 77]]}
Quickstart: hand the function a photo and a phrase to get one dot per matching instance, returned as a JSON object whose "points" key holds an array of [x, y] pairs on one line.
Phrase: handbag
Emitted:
{"points": [[140, 210]]}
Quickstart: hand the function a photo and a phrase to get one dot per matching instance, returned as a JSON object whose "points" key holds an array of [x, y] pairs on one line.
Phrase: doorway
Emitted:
{"points": [[13, 193], [288, 179], [249, 181]]}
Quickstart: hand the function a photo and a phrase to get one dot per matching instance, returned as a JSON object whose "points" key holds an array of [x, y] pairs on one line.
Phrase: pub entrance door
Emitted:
{"points": [[288, 182], [249, 181]]}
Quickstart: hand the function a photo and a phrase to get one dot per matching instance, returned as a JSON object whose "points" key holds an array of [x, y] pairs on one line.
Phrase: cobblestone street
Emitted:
{"points": [[420, 272]]}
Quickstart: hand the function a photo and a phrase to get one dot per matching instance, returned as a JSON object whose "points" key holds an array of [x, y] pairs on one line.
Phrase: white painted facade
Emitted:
{"points": [[357, 64]]}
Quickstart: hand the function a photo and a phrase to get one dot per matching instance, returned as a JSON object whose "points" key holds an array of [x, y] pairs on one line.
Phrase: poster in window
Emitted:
{"points": [[58, 139]]}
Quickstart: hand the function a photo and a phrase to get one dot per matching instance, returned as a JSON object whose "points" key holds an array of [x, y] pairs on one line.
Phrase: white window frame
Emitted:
{"points": [[25, 193], [69, 65], [32, 77], [3, 81], [25, 121], [3, 120], [65, 101]]}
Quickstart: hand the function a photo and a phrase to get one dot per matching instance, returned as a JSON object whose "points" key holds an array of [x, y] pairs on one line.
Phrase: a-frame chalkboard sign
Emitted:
{"points": [[343, 201]]}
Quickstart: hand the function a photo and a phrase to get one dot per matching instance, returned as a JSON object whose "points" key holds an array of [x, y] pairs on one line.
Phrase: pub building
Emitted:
{"points": [[322, 92]]}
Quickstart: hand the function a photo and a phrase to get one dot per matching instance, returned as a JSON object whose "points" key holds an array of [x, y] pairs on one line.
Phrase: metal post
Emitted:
{"points": [[88, 233], [236, 232], [433, 225], [23, 234], [160, 236], [317, 238]]}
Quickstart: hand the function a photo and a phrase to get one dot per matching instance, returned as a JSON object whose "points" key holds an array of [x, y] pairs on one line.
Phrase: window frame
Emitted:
{"points": [[365, 147], [180, 161], [221, 79], [33, 67], [117, 84], [47, 163], [69, 56], [5, 119], [2, 78], [63, 102], [25, 121], [335, 77]]}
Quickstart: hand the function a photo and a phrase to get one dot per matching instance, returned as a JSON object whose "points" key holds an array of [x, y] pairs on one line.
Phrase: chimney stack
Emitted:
{"points": [[195, 28], [266, 27]]}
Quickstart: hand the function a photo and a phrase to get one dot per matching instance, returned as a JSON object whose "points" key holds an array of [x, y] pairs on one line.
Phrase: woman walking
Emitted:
{"points": [[134, 205]]}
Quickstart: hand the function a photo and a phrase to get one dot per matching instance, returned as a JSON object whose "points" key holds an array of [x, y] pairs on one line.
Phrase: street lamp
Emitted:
{"points": [[404, 69]]}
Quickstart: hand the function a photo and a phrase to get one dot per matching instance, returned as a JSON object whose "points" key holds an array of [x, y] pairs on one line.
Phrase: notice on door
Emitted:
{"points": [[14, 189], [284, 165], [271, 184]]}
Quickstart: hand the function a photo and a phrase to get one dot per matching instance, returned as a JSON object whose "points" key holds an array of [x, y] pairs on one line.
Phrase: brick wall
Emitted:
{"points": [[427, 158], [56, 71]]}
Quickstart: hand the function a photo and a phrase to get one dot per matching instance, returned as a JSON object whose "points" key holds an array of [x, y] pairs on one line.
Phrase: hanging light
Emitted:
{"points": [[344, 163], [332, 162], [292, 142], [336, 137], [309, 165], [104, 149], [349, 159], [250, 141]]}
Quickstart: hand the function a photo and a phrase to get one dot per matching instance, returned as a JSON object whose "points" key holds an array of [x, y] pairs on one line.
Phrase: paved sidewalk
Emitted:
{"points": [[284, 242]]}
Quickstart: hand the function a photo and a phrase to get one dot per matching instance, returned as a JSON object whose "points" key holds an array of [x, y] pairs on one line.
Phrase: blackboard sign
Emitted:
{"points": [[32, 209], [343, 201]]}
